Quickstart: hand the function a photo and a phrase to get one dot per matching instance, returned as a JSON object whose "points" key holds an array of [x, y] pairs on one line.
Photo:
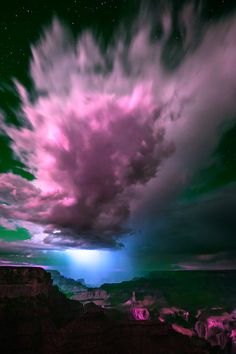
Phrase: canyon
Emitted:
{"points": [[44, 320], [196, 304]]}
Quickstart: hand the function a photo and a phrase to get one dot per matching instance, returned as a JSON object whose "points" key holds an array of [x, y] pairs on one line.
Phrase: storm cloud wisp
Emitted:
{"points": [[112, 136]]}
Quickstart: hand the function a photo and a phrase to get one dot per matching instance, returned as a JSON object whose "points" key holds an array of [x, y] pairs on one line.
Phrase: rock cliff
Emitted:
{"points": [[24, 281]]}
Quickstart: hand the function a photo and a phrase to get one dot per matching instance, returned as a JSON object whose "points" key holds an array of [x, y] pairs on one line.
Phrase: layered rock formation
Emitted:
{"points": [[98, 296], [24, 281]]}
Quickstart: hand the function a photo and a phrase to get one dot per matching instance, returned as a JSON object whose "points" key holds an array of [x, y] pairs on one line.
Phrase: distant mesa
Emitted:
{"points": [[97, 296], [67, 286]]}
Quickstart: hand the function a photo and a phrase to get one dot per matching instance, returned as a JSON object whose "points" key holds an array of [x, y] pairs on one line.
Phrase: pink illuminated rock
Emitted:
{"points": [[161, 319], [217, 330], [140, 314], [185, 331]]}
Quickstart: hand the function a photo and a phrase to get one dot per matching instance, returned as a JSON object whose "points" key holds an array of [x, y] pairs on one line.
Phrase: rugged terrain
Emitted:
{"points": [[45, 321], [194, 303]]}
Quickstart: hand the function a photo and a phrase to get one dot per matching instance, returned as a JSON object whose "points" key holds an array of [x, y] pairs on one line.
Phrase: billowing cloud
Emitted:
{"points": [[112, 138], [91, 137]]}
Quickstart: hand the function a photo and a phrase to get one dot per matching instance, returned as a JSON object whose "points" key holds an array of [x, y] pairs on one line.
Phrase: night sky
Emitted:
{"points": [[118, 136]]}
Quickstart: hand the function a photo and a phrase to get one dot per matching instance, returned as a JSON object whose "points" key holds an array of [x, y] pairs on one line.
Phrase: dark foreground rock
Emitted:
{"points": [[130, 337], [47, 322]]}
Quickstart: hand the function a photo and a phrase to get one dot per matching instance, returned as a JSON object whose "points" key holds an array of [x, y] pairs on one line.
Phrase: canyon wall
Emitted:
{"points": [[24, 281]]}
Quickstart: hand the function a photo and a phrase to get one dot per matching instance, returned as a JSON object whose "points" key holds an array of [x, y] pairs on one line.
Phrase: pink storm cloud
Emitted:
{"points": [[106, 142]]}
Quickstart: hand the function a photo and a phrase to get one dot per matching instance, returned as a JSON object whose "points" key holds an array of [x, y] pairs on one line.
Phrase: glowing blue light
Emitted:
{"points": [[86, 257], [97, 266]]}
